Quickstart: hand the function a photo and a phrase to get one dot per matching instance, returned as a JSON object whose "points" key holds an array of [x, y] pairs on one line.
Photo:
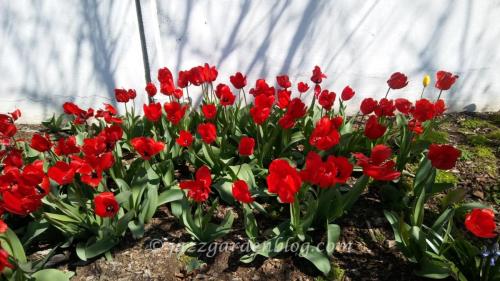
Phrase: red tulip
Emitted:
{"points": [[317, 76], [264, 101], [66, 146], [368, 105], [209, 73], [283, 81], [302, 87], [209, 110], [164, 75], [147, 147], [131, 94], [424, 110], [397, 81], [152, 112], [4, 260], [15, 114], [62, 173], [415, 126], [40, 143], [151, 89], [443, 157], [347, 93], [284, 98], [444, 80], [260, 114], [198, 189], [378, 166], [481, 222], [240, 192], [262, 88], [286, 121], [385, 107], [111, 136], [439, 107], [296, 109], [124, 96], [326, 174], [403, 105], [88, 174], [73, 109], [175, 111], [3, 226], [226, 97], [238, 80], [14, 158], [373, 129], [325, 135], [185, 138], [106, 205], [208, 132], [326, 99], [166, 79], [246, 146], [183, 79], [283, 180]]}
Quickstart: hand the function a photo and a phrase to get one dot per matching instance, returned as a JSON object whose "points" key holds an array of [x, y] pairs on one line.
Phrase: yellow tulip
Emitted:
{"points": [[426, 80]]}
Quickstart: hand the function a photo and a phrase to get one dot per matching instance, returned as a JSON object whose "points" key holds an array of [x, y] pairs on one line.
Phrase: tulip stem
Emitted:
{"points": [[387, 93], [422, 94], [439, 96]]}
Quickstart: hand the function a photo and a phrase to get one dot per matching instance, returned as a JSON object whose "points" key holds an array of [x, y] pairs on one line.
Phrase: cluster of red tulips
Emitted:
{"points": [[95, 175]]}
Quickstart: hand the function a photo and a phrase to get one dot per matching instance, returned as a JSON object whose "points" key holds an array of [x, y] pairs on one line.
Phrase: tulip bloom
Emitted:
{"points": [[325, 134], [62, 173], [185, 138], [317, 76], [209, 110], [40, 143], [403, 105], [152, 112], [347, 93], [4, 260], [106, 205], [326, 99], [175, 111], [283, 180], [373, 129], [444, 156], [241, 192], [444, 80], [378, 165], [198, 189], [368, 105], [147, 147], [284, 81], [481, 222], [151, 89], [397, 81], [208, 132], [302, 87], [424, 110], [238, 80], [246, 146], [326, 174]]}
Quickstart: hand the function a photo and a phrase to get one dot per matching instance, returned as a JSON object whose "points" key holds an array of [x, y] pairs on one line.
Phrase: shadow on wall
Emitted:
{"points": [[357, 42], [54, 51]]}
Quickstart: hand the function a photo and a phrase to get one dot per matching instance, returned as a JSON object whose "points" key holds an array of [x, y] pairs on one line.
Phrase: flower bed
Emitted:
{"points": [[292, 170]]}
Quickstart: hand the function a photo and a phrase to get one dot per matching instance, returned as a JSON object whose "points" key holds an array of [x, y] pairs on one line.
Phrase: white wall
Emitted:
{"points": [[52, 51], [357, 42], [57, 50]]}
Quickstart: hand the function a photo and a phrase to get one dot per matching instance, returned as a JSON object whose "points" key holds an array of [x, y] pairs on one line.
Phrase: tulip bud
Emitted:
{"points": [[426, 80]]}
